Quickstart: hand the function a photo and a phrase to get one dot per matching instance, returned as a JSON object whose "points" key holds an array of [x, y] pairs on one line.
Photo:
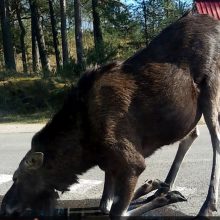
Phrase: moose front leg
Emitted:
{"points": [[126, 164], [124, 190], [108, 193]]}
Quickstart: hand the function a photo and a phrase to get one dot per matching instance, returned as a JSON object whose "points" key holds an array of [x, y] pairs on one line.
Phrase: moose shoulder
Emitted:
{"points": [[121, 113]]}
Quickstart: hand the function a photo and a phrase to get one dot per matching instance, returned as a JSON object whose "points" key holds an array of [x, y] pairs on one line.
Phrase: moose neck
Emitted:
{"points": [[66, 151], [65, 157], [62, 170]]}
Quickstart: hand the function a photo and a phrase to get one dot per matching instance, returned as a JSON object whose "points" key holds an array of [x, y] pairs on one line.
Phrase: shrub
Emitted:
{"points": [[101, 55], [71, 70]]}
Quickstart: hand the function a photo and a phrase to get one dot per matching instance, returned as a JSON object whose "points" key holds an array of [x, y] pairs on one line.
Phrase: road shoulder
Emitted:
{"points": [[20, 128]]}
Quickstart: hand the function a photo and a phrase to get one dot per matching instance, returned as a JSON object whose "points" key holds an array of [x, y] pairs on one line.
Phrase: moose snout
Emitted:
{"points": [[10, 210], [10, 205], [7, 210]]}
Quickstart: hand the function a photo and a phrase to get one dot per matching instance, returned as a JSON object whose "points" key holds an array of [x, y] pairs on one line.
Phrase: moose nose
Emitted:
{"points": [[11, 211]]}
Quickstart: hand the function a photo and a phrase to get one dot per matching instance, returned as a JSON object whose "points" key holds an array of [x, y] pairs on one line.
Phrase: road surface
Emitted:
{"points": [[192, 181]]}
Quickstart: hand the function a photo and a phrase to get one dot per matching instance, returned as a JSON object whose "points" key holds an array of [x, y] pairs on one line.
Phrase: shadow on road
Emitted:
{"points": [[89, 207], [85, 205]]}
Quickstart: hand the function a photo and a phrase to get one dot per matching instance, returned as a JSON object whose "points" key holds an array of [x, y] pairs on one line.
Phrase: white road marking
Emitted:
{"points": [[84, 185], [4, 178]]}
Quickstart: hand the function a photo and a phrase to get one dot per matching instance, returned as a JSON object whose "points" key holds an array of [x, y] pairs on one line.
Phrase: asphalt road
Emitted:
{"points": [[192, 181]]}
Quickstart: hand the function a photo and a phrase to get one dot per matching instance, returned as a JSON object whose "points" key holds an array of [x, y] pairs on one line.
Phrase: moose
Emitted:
{"points": [[121, 113]]}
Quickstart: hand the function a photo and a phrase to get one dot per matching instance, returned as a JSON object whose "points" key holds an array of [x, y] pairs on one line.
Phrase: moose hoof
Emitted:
{"points": [[168, 198], [173, 197], [150, 186], [157, 202], [105, 206], [206, 211]]}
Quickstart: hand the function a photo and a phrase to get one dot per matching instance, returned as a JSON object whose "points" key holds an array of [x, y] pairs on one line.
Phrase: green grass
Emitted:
{"points": [[30, 100], [41, 117]]}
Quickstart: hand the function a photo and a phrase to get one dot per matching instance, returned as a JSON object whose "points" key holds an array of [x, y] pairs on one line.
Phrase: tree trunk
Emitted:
{"points": [[167, 8], [22, 36], [35, 53], [55, 34], [98, 39], [78, 32], [7, 36], [35, 14], [144, 8], [64, 32]]}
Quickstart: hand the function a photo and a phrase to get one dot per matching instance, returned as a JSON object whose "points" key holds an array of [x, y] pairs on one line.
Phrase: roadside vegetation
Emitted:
{"points": [[31, 99]]}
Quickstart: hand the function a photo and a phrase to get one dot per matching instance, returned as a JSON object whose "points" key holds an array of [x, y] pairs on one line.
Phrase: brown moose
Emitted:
{"points": [[121, 113]]}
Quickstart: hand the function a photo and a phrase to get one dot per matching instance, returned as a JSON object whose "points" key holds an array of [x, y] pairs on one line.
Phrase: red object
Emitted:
{"points": [[210, 7]]}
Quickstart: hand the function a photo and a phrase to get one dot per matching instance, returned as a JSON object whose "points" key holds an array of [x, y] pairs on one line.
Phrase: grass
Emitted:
{"points": [[30, 99], [41, 117]]}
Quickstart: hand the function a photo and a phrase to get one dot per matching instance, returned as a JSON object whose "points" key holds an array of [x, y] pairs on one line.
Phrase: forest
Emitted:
{"points": [[46, 40], [46, 36]]}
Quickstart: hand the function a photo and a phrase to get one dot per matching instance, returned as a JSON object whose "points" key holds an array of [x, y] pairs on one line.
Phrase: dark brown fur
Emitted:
{"points": [[121, 113]]}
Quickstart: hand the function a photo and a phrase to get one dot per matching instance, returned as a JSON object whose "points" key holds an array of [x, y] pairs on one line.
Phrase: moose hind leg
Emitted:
{"points": [[168, 184], [157, 202], [211, 115], [184, 146]]}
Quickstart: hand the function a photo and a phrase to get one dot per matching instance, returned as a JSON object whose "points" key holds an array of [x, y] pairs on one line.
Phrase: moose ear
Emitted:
{"points": [[34, 161]]}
